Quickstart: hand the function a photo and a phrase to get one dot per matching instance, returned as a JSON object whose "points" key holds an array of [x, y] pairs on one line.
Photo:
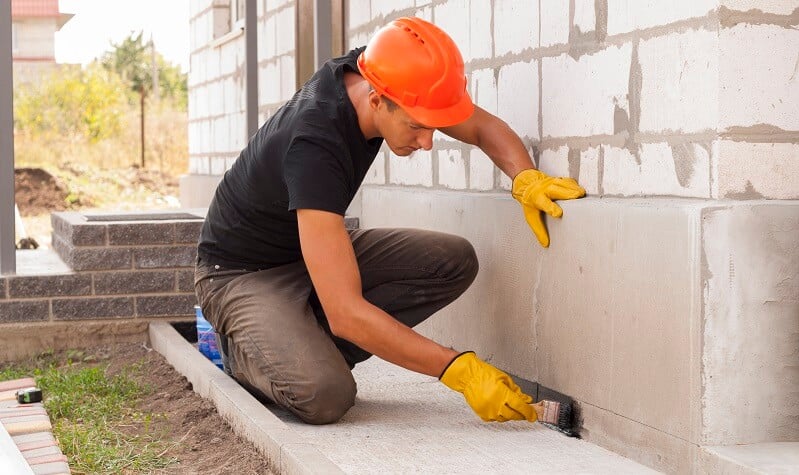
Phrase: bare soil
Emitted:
{"points": [[197, 436], [37, 191]]}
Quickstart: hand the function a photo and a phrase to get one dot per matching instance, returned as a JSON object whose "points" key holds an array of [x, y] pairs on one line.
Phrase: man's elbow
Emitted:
{"points": [[342, 320]]}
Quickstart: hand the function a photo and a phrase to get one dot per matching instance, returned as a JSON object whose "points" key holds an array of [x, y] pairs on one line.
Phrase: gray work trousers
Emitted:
{"points": [[279, 342]]}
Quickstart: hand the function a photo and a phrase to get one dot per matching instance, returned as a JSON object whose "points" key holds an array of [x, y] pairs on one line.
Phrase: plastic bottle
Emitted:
{"points": [[206, 338]]}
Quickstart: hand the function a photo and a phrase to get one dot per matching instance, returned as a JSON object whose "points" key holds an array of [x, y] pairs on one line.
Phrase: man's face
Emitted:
{"points": [[402, 134]]}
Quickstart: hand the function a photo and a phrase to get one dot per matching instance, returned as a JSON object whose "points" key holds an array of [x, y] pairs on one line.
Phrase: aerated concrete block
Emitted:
{"points": [[757, 170], [481, 170], [517, 100], [679, 90], [580, 96], [483, 87], [554, 23], [759, 82], [750, 258], [480, 41], [451, 169], [518, 26], [585, 15], [453, 17], [659, 169], [413, 170], [377, 172]]}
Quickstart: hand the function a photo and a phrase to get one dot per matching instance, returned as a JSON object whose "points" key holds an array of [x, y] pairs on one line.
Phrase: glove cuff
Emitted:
{"points": [[523, 179], [450, 363]]}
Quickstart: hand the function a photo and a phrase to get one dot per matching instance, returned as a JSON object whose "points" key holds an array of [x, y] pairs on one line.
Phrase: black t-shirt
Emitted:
{"points": [[310, 154]]}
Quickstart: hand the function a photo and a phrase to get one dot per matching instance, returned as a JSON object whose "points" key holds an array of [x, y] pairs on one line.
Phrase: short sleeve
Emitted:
{"points": [[316, 176]]}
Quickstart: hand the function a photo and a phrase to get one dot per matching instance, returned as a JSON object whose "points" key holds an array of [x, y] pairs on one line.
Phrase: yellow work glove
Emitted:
{"points": [[491, 393], [535, 191]]}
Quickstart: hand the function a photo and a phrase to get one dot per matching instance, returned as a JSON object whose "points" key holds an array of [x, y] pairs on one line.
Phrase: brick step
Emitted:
{"points": [[29, 429]]}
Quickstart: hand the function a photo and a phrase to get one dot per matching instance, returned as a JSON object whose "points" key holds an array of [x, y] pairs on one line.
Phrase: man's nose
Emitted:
{"points": [[425, 139]]}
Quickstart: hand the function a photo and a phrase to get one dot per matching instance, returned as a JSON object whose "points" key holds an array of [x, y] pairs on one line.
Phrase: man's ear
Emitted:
{"points": [[374, 99]]}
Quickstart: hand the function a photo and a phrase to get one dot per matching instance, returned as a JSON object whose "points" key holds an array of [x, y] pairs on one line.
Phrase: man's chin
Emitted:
{"points": [[403, 151]]}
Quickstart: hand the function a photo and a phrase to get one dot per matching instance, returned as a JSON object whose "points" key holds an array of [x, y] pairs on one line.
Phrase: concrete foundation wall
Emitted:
{"points": [[672, 321]]}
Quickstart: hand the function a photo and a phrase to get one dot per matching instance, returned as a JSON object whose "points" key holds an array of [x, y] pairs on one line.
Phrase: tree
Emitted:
{"points": [[132, 59]]}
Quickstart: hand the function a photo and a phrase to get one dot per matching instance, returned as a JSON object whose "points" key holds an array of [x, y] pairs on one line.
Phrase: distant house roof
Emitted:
{"points": [[35, 8]]}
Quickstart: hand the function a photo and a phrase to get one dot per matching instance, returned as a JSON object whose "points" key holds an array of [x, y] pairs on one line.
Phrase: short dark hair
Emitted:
{"points": [[391, 105]]}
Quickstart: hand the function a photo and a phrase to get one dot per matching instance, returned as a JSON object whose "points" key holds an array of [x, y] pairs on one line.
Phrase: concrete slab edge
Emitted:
{"points": [[289, 453]]}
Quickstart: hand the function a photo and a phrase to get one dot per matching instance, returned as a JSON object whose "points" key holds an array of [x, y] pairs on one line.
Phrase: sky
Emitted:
{"points": [[98, 23]]}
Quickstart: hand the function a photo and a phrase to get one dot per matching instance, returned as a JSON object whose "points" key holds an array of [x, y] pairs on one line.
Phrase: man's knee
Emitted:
{"points": [[461, 264], [326, 398]]}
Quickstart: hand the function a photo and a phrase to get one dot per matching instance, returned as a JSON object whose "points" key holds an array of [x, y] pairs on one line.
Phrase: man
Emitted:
{"points": [[300, 299]]}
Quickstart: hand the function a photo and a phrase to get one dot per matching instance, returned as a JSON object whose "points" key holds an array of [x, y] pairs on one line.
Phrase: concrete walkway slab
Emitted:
{"points": [[401, 423]]}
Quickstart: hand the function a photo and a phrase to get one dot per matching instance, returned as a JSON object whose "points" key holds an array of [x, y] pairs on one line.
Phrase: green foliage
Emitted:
{"points": [[72, 103], [132, 59], [90, 411]]}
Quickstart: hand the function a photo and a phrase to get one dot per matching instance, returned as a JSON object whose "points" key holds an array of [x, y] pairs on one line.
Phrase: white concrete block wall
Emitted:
{"points": [[619, 85]]}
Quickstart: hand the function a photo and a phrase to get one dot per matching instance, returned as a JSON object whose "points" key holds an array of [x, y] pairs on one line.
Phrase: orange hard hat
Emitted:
{"points": [[418, 66]]}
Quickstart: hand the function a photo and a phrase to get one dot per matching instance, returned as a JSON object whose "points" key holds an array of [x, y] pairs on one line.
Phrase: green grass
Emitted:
{"points": [[94, 415]]}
